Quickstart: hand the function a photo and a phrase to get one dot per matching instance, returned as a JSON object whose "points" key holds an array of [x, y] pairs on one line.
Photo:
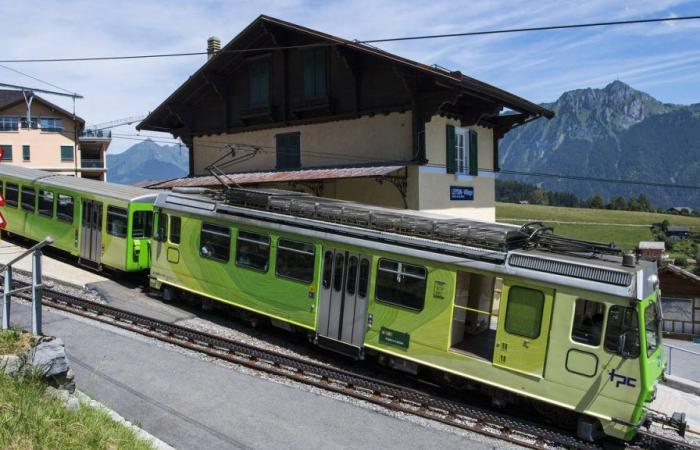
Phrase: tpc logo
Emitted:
{"points": [[622, 380]]}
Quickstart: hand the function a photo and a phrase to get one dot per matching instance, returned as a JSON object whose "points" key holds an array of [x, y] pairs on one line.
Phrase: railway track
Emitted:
{"points": [[380, 392]]}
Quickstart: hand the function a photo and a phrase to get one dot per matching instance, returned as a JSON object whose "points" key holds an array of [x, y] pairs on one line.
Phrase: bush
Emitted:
{"points": [[681, 261]]}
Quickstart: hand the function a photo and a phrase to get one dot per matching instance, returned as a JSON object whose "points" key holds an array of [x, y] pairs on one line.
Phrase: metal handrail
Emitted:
{"points": [[670, 355], [36, 286]]}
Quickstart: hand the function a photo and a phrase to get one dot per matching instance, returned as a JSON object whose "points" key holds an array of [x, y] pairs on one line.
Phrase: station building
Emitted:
{"points": [[37, 134], [289, 107]]}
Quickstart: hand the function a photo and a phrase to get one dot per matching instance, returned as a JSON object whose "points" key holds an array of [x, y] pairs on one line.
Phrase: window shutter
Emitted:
{"points": [[450, 157], [473, 153]]}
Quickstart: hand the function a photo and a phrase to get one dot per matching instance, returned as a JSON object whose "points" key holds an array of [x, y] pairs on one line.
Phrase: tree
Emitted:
{"points": [[681, 261], [619, 203], [644, 204], [596, 202]]}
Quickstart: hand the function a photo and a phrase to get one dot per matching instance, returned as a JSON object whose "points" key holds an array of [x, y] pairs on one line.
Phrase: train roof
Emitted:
{"points": [[24, 173], [96, 187]]}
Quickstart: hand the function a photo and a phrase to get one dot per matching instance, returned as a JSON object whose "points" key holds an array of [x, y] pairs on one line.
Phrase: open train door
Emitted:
{"points": [[523, 329]]}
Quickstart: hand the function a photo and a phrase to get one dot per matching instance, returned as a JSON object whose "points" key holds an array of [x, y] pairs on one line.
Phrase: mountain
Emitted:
{"points": [[147, 162], [616, 132]]}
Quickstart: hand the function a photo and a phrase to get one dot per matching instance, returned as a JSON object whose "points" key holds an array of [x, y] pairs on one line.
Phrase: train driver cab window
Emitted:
{"points": [[142, 224], [524, 312], [295, 260], [652, 319], [175, 223], [46, 199], [11, 194], [116, 221], [253, 250], [215, 242], [161, 233], [588, 322], [401, 284], [28, 199], [622, 332], [64, 208]]}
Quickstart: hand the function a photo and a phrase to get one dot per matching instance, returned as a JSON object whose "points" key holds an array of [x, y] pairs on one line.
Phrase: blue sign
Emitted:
{"points": [[461, 193]]}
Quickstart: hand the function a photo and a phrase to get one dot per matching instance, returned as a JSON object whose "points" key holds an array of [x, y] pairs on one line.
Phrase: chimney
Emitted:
{"points": [[213, 46]]}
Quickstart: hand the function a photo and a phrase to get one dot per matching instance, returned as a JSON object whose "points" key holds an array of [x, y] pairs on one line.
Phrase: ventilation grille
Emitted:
{"points": [[571, 270]]}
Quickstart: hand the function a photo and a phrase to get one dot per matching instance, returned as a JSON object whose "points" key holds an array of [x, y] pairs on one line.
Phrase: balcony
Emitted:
{"points": [[94, 135], [86, 163]]}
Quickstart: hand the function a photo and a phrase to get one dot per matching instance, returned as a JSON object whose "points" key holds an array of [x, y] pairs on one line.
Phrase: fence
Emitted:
{"points": [[669, 357], [35, 286]]}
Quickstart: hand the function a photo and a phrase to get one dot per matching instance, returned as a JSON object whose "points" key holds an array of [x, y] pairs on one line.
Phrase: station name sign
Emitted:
{"points": [[461, 193]]}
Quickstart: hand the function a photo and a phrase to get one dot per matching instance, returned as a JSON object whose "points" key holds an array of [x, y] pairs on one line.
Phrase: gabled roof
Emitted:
{"points": [[11, 97], [454, 79], [682, 272]]}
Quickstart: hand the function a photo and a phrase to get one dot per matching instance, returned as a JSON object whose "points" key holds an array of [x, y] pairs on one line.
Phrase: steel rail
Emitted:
{"points": [[380, 392]]}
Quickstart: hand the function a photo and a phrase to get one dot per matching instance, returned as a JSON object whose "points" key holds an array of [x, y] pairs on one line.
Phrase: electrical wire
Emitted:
{"points": [[366, 41], [36, 79]]}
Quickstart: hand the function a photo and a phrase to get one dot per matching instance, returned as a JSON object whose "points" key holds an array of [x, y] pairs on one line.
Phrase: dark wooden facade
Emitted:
{"points": [[224, 96]]}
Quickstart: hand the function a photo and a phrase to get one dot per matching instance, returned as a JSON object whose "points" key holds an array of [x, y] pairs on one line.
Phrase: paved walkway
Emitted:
{"points": [[191, 402]]}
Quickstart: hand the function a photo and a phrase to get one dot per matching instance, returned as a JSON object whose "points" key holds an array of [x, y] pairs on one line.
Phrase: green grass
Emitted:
{"points": [[624, 234], [11, 342], [29, 419]]}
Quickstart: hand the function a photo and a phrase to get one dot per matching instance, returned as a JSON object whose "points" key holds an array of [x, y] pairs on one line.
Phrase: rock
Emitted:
{"points": [[72, 403], [11, 364], [48, 359], [59, 394]]}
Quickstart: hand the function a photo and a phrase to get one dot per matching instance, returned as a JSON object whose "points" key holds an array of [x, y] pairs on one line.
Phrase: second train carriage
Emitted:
{"points": [[425, 302], [103, 224]]}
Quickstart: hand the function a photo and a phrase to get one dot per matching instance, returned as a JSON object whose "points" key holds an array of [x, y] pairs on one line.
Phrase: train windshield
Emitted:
{"points": [[651, 325]]}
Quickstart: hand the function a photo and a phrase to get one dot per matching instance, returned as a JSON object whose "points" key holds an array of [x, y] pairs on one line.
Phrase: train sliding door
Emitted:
{"points": [[91, 232], [342, 315], [523, 328]]}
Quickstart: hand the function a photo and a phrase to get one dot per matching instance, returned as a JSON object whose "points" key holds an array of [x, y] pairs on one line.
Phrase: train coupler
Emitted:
{"points": [[676, 422]]}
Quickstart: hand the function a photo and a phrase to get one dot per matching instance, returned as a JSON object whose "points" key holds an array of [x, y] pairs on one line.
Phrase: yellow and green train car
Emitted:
{"points": [[479, 303], [103, 224]]}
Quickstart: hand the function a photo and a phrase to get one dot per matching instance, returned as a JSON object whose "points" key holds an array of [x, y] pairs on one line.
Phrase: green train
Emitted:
{"points": [[575, 331], [104, 225]]}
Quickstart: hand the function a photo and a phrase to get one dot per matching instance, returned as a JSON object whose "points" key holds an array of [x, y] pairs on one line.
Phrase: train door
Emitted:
{"points": [[91, 231], [523, 328], [342, 315]]}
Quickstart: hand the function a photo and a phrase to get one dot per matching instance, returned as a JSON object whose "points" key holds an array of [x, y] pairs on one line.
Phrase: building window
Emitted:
{"points": [[12, 194], [295, 260], [64, 208], [259, 73], [9, 123], [28, 199], [6, 152], [588, 322], [315, 73], [51, 124], [175, 230], [215, 242], [142, 224], [401, 284], [253, 250], [622, 321], [524, 312], [462, 154], [116, 221], [461, 150], [288, 151], [46, 203], [31, 123], [66, 153], [26, 155]]}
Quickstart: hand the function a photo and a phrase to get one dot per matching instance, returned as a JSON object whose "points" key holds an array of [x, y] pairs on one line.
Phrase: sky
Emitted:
{"points": [[661, 59]]}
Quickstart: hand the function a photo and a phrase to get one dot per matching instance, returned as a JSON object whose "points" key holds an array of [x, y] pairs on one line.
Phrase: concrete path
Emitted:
{"points": [[191, 402]]}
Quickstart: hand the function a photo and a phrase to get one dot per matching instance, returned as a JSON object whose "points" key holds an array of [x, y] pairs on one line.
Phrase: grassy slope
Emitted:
{"points": [[29, 419], [624, 236]]}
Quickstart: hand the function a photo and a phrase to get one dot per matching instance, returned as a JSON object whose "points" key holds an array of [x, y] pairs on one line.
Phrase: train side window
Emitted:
{"points": [[64, 208], [175, 224], [352, 275], [46, 199], [116, 221], [622, 321], [524, 312], [215, 242], [12, 194], [588, 322], [327, 269], [364, 278], [253, 250], [401, 284], [142, 224], [161, 233], [295, 260], [28, 200]]}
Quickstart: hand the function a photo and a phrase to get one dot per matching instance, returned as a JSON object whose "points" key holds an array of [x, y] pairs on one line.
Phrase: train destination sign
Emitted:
{"points": [[461, 193]]}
